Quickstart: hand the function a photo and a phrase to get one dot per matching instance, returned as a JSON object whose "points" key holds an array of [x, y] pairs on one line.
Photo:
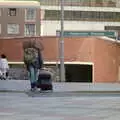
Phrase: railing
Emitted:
{"points": [[18, 72]]}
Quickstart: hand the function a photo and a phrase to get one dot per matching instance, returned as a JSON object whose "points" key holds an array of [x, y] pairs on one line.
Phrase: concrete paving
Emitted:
{"points": [[23, 85], [18, 106], [66, 102]]}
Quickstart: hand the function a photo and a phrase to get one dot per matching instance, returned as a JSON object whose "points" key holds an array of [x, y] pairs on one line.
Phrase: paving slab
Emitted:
{"points": [[19, 106]]}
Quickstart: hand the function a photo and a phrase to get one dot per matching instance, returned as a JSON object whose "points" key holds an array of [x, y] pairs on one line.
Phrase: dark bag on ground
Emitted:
{"points": [[45, 80]]}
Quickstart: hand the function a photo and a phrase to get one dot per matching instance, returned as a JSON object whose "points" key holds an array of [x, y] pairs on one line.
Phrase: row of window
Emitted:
{"points": [[29, 29], [82, 15], [104, 3], [30, 13], [117, 28]]}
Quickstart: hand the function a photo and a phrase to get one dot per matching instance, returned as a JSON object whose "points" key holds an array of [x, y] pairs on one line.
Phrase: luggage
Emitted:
{"points": [[44, 80]]}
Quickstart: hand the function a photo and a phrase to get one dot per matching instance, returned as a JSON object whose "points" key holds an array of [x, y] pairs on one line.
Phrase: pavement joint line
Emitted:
{"points": [[16, 91]]}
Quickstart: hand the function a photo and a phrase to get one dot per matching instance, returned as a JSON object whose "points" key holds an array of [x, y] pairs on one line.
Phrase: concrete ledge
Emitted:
{"points": [[23, 85]]}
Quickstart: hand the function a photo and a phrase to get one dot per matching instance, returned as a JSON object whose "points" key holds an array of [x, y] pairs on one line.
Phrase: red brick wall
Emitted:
{"points": [[12, 48], [105, 61], [79, 49], [104, 54]]}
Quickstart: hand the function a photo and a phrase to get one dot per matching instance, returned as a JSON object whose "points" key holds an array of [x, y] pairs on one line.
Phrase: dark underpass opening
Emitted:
{"points": [[78, 73]]}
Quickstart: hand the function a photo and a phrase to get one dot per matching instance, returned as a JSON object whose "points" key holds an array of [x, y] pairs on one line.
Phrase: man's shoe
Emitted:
{"points": [[33, 89]]}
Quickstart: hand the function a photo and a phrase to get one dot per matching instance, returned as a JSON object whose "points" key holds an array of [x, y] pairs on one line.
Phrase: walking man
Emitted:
{"points": [[33, 61]]}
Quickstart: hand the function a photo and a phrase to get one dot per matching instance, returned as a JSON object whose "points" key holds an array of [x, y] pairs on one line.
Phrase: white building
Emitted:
{"points": [[80, 15]]}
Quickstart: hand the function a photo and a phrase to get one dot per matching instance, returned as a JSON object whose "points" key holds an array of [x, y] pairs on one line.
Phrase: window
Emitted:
{"points": [[30, 14], [83, 15], [0, 11], [12, 12], [52, 15], [112, 28], [30, 30], [13, 28], [111, 3], [0, 28]]}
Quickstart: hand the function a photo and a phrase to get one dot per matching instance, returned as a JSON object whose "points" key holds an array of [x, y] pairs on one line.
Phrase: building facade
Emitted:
{"points": [[19, 18], [80, 15], [87, 59]]}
